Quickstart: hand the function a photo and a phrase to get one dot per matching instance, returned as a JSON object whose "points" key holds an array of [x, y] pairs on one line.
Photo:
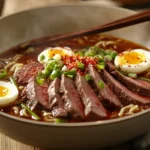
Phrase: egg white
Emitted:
{"points": [[134, 68], [11, 96], [45, 53]]}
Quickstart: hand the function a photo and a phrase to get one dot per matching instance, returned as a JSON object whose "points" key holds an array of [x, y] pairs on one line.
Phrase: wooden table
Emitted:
{"points": [[9, 144]]}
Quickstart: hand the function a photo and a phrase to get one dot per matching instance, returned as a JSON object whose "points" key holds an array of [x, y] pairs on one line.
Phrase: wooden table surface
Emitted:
{"points": [[8, 144]]}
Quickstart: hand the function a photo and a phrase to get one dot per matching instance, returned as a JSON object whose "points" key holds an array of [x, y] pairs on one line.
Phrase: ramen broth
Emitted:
{"points": [[77, 45]]}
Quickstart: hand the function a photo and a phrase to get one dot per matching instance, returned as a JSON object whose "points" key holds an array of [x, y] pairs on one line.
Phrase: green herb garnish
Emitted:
{"points": [[34, 115], [80, 65], [3, 73], [88, 77], [132, 75], [101, 84], [13, 81]]}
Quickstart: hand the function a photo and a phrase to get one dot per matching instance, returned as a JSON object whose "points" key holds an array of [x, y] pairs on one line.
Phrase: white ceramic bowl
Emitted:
{"points": [[36, 23]]}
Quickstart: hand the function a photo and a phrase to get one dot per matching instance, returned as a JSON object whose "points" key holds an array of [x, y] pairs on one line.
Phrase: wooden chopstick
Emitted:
{"points": [[117, 24]]}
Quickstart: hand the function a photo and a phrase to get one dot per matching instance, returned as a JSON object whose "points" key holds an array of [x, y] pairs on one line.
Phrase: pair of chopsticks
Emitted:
{"points": [[117, 24]]}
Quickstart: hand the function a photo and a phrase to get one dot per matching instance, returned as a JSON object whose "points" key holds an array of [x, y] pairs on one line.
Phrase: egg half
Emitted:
{"points": [[134, 61], [56, 53], [8, 93]]}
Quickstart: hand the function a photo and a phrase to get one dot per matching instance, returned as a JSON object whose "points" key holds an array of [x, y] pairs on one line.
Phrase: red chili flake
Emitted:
{"points": [[71, 62]]}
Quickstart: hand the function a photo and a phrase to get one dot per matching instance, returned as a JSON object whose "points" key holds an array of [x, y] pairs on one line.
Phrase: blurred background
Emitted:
{"points": [[8, 7]]}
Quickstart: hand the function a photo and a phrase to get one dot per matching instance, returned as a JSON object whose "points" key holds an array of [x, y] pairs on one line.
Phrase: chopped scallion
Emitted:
{"points": [[57, 67], [145, 79], [13, 81], [42, 57], [60, 120], [99, 56], [113, 54], [100, 67], [71, 72], [102, 52], [90, 52], [80, 53], [132, 75], [3, 73], [55, 74], [101, 84], [43, 74], [108, 51], [39, 80], [88, 77], [80, 65], [102, 63], [34, 115], [108, 57], [70, 76]]}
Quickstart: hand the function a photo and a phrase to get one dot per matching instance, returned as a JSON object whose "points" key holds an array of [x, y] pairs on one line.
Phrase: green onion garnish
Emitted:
{"points": [[42, 57], [3, 73], [57, 67], [39, 80], [145, 79], [60, 120], [13, 81], [100, 67], [102, 63], [55, 74], [71, 72], [90, 52], [70, 76], [102, 52], [101, 84], [113, 54], [80, 53], [132, 75], [108, 57], [34, 115], [80, 65], [88, 77], [99, 56], [108, 51]]}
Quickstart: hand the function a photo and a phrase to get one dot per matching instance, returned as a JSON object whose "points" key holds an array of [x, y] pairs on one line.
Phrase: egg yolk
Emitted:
{"points": [[131, 58], [3, 91], [53, 52]]}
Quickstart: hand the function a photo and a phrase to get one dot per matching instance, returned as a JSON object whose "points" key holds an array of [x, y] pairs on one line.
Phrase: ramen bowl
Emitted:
{"points": [[50, 21]]}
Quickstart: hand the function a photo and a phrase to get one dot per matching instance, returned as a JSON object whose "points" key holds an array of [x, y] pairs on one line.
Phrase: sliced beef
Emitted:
{"points": [[72, 101], [93, 107], [126, 96], [55, 101], [28, 71], [136, 85], [105, 94], [37, 93]]}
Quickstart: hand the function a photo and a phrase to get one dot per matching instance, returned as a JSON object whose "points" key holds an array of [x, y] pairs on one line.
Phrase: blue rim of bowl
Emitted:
{"points": [[80, 124]]}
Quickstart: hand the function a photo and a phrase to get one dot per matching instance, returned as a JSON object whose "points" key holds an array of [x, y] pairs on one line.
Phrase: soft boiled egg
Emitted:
{"points": [[8, 93], [55, 53], [134, 61]]}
